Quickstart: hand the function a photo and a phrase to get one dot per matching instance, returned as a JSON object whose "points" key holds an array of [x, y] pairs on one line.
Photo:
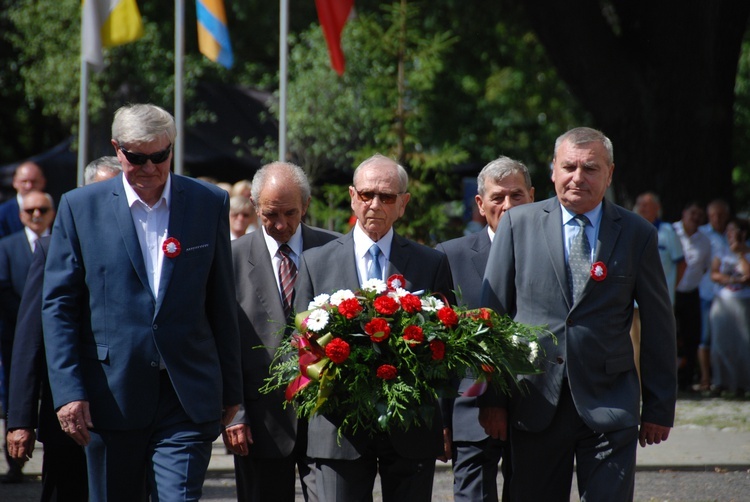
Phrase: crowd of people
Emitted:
{"points": [[144, 313]]}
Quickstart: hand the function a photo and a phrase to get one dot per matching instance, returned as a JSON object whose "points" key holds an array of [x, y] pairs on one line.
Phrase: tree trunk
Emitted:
{"points": [[658, 78]]}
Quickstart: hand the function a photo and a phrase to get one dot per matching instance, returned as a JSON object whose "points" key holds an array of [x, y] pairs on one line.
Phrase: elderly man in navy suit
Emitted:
{"points": [[15, 258], [347, 465], [502, 184], [140, 318], [27, 177], [270, 440], [575, 264]]}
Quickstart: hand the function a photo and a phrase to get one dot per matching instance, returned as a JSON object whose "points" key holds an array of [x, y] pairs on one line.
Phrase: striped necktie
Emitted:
{"points": [[287, 276]]}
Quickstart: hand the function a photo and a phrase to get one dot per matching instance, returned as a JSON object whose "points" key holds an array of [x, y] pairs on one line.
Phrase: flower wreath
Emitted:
{"points": [[379, 358]]}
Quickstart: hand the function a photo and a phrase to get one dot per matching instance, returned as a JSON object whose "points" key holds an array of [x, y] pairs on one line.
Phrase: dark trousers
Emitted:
{"points": [[543, 461], [170, 456], [274, 479], [475, 466], [64, 476], [687, 311]]}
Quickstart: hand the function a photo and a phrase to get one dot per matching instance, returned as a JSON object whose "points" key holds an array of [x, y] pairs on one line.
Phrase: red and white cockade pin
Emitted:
{"points": [[171, 247], [599, 271]]}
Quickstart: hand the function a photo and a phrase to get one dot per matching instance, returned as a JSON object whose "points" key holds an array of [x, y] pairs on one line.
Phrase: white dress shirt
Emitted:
{"points": [[362, 244]]}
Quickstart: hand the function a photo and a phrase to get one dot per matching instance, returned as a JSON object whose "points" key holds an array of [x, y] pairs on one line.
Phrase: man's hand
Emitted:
{"points": [[652, 433], [21, 444], [447, 445], [228, 414], [238, 439], [495, 422], [75, 420]]}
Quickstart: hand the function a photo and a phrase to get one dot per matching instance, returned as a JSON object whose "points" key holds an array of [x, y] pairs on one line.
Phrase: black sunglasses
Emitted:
{"points": [[138, 159], [43, 210], [385, 198]]}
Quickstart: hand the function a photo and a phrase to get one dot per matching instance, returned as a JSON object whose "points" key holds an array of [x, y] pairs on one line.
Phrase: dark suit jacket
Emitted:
{"points": [[10, 221], [262, 322], [468, 258], [15, 258], [332, 267], [105, 332], [29, 369], [526, 277]]}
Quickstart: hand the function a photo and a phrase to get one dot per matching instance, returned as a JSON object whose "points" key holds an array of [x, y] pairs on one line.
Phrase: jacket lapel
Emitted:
{"points": [[481, 248], [178, 206], [260, 273], [552, 227], [129, 236]]}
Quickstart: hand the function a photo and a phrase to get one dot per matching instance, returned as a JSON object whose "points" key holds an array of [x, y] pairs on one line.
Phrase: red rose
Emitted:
{"points": [[385, 305], [386, 372], [396, 281], [447, 316], [438, 349], [378, 329], [599, 271], [350, 308], [411, 303], [414, 334], [337, 350]]}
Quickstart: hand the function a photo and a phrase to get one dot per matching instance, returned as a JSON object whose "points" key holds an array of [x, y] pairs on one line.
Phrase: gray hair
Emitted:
{"points": [[295, 173], [403, 177], [584, 135], [143, 123], [499, 169], [108, 164]]}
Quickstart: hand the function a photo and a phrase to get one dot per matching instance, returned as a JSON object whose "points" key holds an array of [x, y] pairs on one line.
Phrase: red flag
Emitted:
{"points": [[333, 15]]}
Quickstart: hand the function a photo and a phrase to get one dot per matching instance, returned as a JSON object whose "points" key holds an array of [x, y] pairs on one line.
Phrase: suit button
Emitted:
{"points": [[155, 326], [560, 360], [569, 322], [154, 364]]}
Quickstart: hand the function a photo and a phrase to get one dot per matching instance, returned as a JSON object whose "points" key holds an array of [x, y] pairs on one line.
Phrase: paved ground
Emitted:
{"points": [[707, 458]]}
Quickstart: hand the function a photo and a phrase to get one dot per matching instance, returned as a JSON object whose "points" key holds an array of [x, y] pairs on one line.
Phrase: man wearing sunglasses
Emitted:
{"points": [[140, 319], [16, 249], [346, 465]]}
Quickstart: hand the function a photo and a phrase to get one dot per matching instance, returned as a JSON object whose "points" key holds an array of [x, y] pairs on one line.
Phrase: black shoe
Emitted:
{"points": [[14, 476]]}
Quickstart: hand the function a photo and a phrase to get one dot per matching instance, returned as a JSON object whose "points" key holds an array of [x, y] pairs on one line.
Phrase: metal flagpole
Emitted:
{"points": [[83, 119], [179, 52], [283, 31]]}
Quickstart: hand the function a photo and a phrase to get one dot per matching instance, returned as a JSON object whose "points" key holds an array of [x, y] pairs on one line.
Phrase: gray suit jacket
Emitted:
{"points": [[332, 267], [262, 324], [468, 258], [526, 277]]}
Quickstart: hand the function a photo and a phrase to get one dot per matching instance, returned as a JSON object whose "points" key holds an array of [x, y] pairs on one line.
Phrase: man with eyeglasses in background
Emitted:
{"points": [[15, 258], [347, 464], [140, 318]]}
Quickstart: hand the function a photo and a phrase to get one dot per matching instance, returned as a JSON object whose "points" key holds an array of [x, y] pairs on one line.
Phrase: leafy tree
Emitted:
{"points": [[658, 78]]}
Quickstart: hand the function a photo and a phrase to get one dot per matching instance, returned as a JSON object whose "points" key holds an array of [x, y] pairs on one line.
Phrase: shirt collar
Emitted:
{"points": [[295, 242], [594, 216], [362, 242], [133, 197]]}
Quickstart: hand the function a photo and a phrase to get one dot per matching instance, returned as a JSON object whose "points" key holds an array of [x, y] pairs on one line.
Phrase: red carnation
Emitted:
{"points": [[337, 350], [386, 372], [411, 303], [414, 334], [447, 316], [350, 308], [481, 315], [378, 329], [385, 305], [438, 349]]}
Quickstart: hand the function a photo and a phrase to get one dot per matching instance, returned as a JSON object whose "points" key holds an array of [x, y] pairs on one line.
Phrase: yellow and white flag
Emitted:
{"points": [[107, 23]]}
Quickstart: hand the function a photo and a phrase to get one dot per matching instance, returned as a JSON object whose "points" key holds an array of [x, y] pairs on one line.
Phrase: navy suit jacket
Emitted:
{"points": [[104, 331], [262, 322], [329, 268], [526, 277], [468, 258], [28, 376], [10, 221], [15, 259]]}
